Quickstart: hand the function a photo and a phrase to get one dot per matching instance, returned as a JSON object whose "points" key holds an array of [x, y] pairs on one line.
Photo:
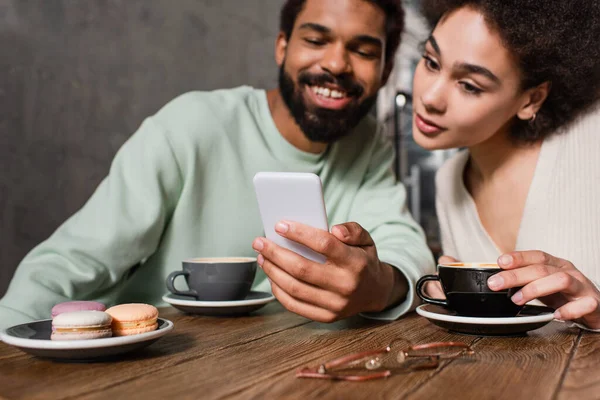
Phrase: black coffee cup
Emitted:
{"points": [[216, 279], [467, 292]]}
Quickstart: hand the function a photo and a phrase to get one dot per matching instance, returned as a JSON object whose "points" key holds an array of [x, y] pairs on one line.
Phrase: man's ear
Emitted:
{"points": [[280, 48], [532, 101]]}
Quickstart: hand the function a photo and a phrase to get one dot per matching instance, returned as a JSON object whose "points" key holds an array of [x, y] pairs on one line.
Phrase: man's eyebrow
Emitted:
{"points": [[479, 70], [315, 27], [325, 30], [367, 39]]}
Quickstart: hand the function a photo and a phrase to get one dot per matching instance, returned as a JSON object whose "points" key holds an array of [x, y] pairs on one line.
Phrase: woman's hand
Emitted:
{"points": [[434, 289], [554, 281]]}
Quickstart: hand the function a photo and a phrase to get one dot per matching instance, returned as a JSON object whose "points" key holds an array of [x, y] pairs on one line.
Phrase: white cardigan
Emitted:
{"points": [[562, 210]]}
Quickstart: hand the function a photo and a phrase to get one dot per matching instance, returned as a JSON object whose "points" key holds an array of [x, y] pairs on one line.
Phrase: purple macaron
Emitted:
{"points": [[70, 306]]}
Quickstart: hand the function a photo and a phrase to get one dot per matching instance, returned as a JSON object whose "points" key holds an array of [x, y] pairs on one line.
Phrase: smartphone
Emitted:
{"points": [[291, 196]]}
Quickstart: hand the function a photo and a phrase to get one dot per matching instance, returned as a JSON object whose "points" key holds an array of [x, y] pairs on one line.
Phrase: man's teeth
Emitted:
{"points": [[326, 92]]}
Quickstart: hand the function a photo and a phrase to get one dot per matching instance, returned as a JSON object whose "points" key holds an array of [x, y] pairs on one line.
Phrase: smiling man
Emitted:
{"points": [[182, 185]]}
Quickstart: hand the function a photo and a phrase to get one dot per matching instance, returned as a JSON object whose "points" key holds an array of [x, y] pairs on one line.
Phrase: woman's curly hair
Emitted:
{"points": [[553, 40]]}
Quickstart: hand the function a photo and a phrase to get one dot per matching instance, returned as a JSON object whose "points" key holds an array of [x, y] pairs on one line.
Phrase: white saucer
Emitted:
{"points": [[34, 338], [530, 318], [252, 302]]}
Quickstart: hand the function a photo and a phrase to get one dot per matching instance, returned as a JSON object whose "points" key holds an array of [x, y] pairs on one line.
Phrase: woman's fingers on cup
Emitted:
{"points": [[519, 277], [301, 308], [434, 290], [446, 260], [300, 290], [517, 259], [559, 282], [587, 307]]}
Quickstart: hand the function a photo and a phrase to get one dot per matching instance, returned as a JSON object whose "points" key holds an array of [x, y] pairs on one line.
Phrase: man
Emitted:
{"points": [[181, 186]]}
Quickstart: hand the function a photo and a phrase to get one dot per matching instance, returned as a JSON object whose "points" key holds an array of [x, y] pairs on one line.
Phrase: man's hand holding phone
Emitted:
{"points": [[352, 280]]}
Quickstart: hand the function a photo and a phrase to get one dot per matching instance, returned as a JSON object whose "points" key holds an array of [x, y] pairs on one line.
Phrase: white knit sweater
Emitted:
{"points": [[562, 210]]}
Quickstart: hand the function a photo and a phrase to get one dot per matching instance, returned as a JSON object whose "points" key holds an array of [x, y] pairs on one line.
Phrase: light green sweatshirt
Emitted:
{"points": [[181, 187]]}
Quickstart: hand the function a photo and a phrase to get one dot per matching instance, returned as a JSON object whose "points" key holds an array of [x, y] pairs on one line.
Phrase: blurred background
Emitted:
{"points": [[77, 77]]}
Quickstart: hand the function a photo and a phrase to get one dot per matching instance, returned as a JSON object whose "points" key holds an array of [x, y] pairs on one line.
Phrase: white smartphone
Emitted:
{"points": [[291, 196]]}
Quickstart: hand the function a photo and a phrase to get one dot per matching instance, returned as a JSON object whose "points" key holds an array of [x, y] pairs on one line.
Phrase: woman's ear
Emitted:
{"points": [[280, 48], [533, 100]]}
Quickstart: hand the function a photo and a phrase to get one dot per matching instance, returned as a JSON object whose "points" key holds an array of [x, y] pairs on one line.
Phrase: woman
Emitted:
{"points": [[515, 83]]}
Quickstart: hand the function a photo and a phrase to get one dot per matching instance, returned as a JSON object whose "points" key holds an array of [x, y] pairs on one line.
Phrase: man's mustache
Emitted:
{"points": [[344, 82]]}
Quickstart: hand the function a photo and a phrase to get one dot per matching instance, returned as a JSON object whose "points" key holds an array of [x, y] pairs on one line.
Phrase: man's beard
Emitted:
{"points": [[321, 124]]}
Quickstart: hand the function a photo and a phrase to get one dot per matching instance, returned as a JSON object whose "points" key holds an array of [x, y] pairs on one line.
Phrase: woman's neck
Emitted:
{"points": [[499, 158]]}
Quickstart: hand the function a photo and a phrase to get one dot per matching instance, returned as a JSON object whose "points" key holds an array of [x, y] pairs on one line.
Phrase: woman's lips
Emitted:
{"points": [[427, 127]]}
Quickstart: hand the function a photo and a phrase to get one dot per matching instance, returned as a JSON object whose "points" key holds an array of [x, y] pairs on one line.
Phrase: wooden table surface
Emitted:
{"points": [[255, 356]]}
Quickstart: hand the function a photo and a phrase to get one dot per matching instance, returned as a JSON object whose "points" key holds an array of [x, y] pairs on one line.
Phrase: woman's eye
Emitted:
{"points": [[471, 89], [430, 63]]}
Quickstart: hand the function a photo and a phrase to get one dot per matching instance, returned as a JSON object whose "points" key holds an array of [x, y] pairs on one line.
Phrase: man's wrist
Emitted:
{"points": [[399, 288]]}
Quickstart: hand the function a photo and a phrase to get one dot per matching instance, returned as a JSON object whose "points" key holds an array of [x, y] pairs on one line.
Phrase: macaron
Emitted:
{"points": [[79, 325], [70, 306], [133, 318]]}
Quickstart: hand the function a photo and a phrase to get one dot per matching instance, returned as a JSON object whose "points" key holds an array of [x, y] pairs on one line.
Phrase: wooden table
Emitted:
{"points": [[256, 356]]}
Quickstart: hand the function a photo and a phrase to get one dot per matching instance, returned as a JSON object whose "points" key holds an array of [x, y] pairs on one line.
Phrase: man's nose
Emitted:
{"points": [[335, 60]]}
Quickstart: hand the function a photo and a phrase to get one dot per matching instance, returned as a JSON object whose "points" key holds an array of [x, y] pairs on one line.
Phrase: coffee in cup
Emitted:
{"points": [[467, 292], [215, 279]]}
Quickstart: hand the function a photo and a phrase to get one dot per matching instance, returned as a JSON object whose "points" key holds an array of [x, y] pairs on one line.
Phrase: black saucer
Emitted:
{"points": [[530, 318], [34, 338]]}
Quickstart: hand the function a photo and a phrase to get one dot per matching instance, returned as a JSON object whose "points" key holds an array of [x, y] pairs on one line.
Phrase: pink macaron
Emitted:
{"points": [[70, 306], [80, 325]]}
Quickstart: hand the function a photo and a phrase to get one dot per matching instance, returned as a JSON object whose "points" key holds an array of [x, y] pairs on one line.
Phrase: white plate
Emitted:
{"points": [[34, 338], [530, 318], [252, 302]]}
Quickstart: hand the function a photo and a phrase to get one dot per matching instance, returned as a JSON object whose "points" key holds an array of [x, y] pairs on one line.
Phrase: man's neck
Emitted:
{"points": [[286, 125]]}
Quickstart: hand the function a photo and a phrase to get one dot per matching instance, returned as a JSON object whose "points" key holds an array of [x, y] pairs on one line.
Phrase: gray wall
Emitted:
{"points": [[78, 76]]}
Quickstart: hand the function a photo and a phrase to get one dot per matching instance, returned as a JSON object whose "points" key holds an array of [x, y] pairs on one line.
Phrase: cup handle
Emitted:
{"points": [[171, 284], [421, 282]]}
